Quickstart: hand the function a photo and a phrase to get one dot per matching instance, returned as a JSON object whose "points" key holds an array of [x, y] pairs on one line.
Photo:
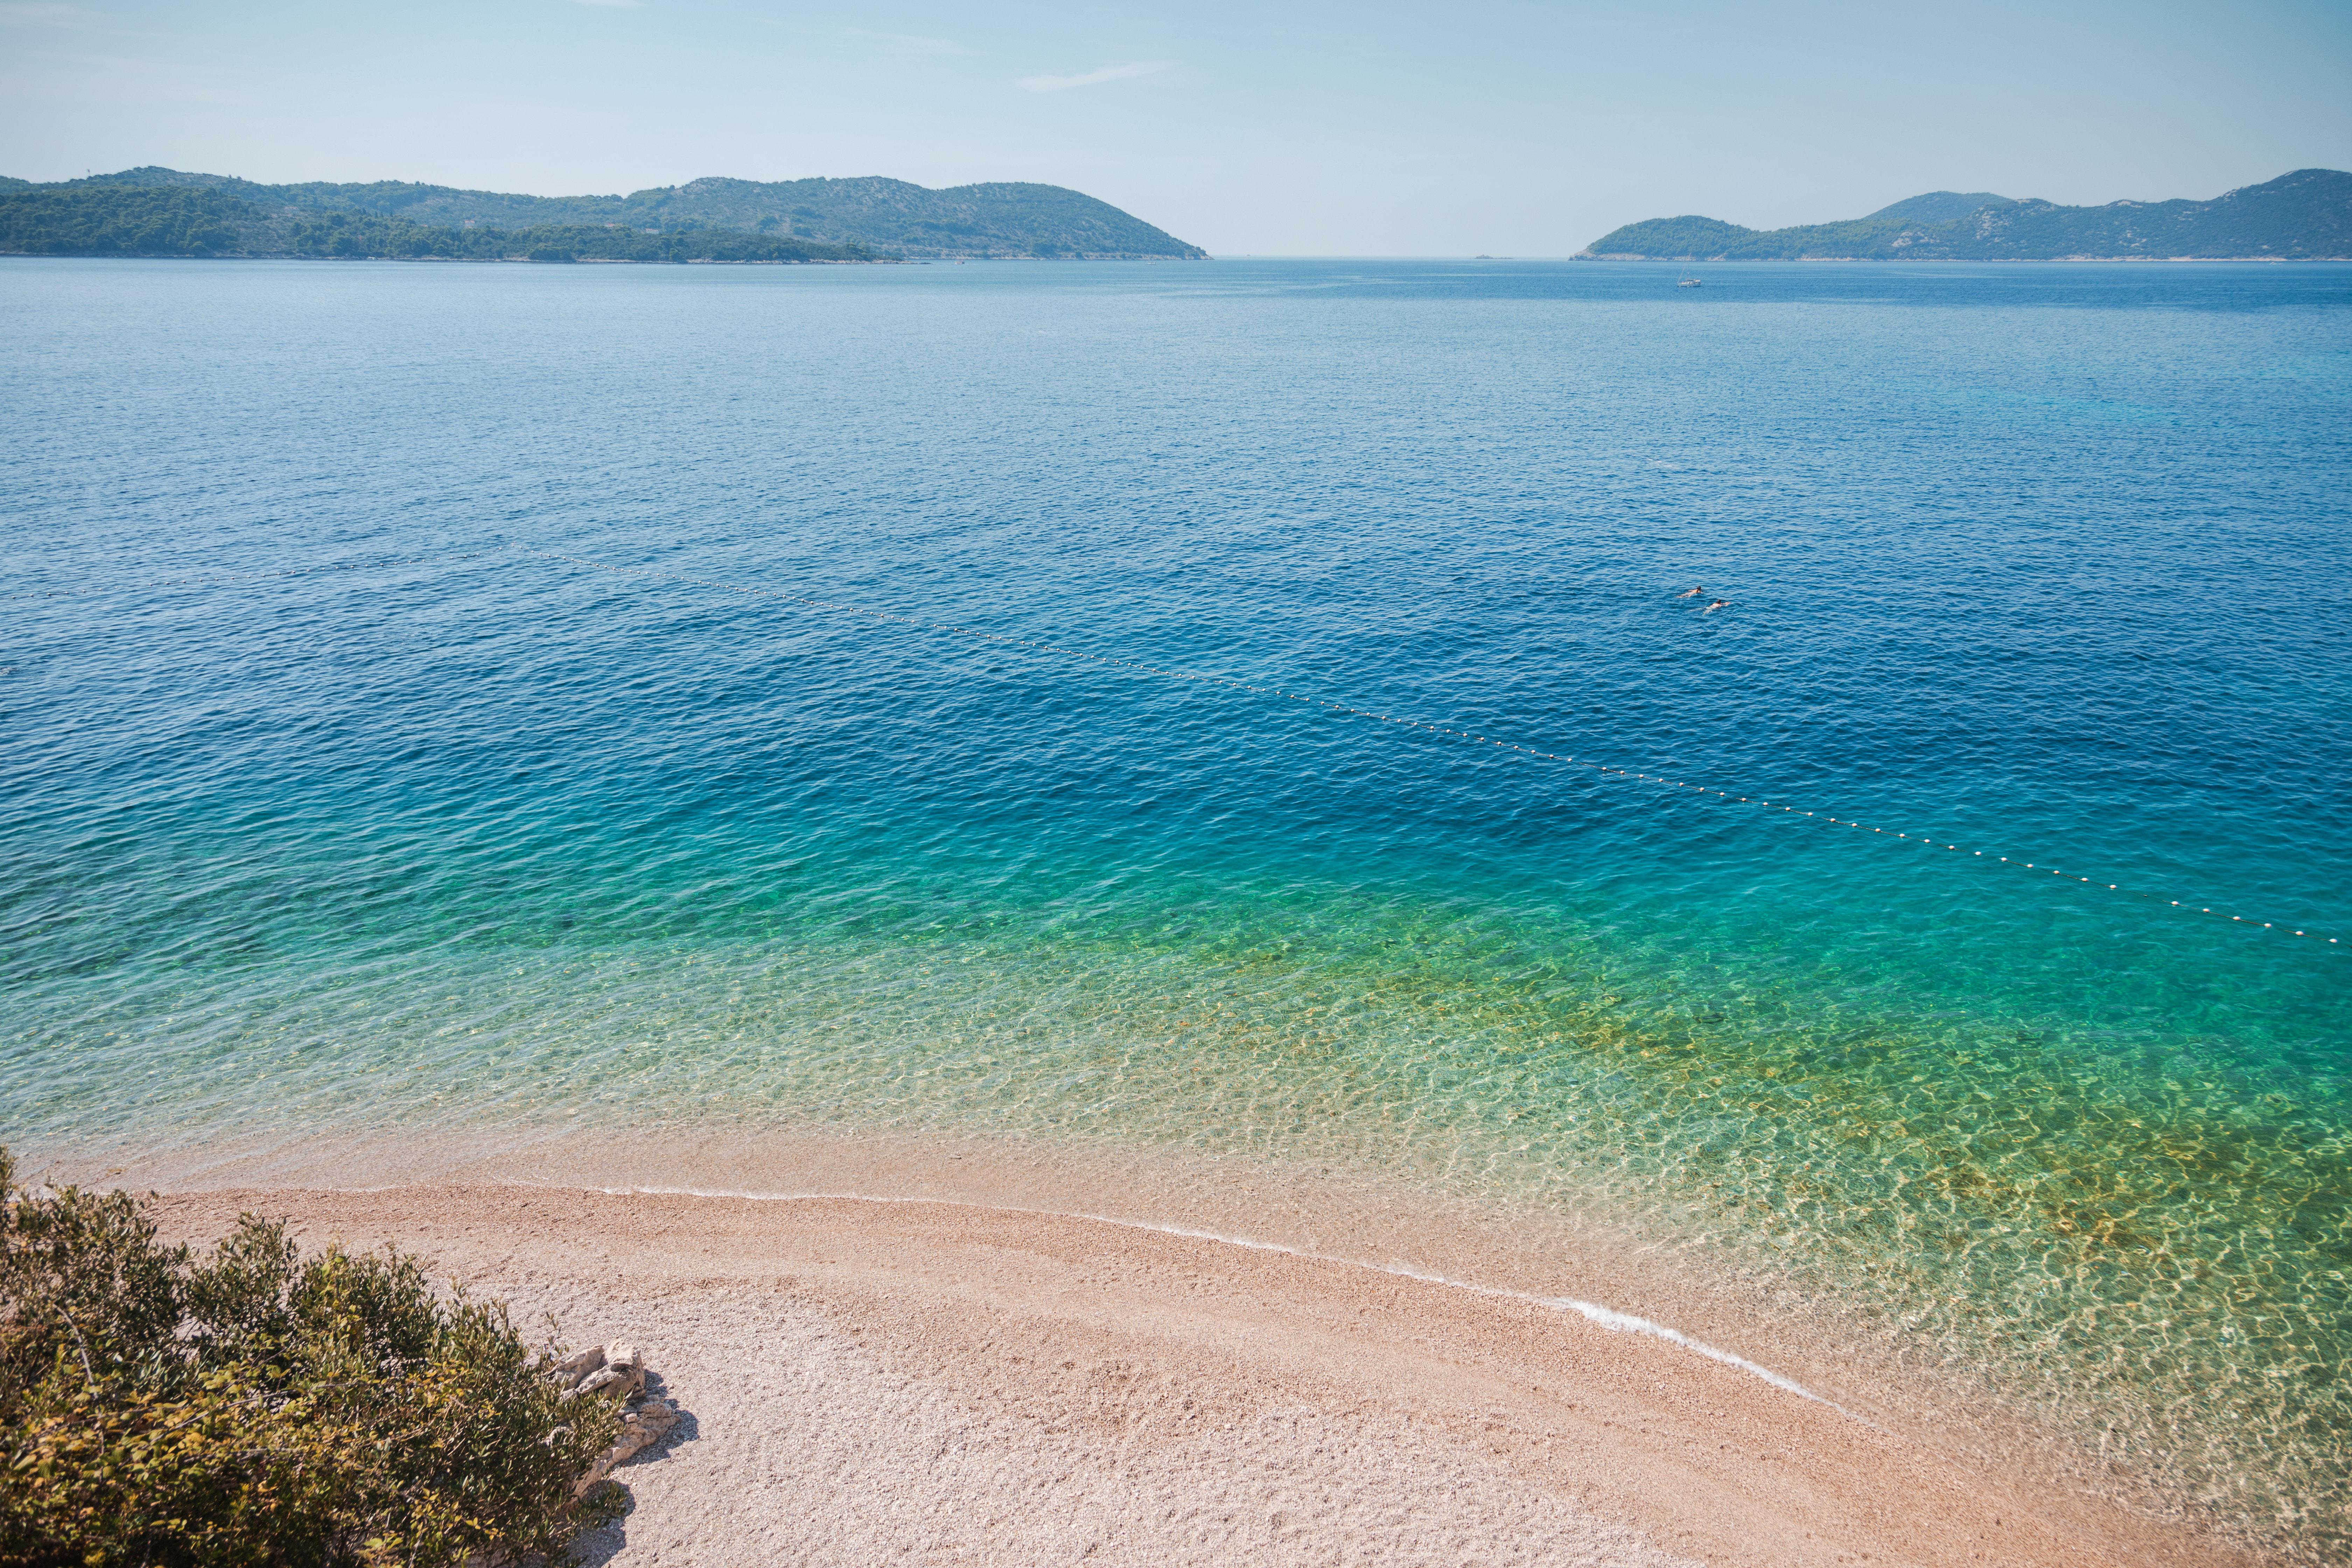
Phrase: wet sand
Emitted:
{"points": [[929, 1375]]}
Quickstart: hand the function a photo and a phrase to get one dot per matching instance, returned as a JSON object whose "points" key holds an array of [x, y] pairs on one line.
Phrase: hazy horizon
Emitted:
{"points": [[1312, 132]]}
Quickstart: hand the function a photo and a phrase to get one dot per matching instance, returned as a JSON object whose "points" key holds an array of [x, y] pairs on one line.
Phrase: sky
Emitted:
{"points": [[1354, 129]]}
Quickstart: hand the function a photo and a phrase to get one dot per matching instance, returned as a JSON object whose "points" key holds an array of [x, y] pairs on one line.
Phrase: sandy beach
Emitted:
{"points": [[914, 1378]]}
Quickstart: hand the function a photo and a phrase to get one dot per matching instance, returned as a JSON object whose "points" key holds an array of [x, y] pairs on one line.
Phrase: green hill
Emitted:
{"points": [[183, 220], [874, 213], [1940, 206], [2305, 216]]}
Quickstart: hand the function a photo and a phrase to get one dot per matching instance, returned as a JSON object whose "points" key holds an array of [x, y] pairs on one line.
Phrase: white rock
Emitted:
{"points": [[640, 1429], [617, 1380], [577, 1365]]}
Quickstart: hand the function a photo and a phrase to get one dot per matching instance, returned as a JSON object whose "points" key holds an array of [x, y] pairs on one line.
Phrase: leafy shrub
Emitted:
{"points": [[257, 1407]]}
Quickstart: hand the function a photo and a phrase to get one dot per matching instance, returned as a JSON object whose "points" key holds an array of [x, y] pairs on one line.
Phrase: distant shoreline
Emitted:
{"points": [[602, 261], [1954, 260], [957, 260], [2305, 215], [482, 260], [166, 212]]}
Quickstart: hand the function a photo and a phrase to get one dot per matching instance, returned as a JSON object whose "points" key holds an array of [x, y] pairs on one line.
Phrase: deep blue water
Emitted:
{"points": [[332, 798]]}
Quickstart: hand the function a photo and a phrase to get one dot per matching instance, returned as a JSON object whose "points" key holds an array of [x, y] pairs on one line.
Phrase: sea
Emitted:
{"points": [[1268, 709]]}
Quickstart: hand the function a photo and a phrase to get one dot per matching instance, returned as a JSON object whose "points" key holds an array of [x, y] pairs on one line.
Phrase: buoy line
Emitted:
{"points": [[1227, 682]]}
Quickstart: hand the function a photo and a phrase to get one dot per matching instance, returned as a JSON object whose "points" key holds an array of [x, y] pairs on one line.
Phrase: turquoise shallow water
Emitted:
{"points": [[333, 801]]}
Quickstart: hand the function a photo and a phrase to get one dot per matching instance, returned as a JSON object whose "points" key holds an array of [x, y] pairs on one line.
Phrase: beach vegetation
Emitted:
{"points": [[256, 1406]]}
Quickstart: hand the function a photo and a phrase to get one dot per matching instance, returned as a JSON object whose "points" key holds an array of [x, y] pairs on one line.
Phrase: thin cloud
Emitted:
{"points": [[1109, 73], [38, 15]]}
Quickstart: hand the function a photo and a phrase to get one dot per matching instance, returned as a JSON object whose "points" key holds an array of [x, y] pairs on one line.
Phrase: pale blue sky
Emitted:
{"points": [[1325, 128]]}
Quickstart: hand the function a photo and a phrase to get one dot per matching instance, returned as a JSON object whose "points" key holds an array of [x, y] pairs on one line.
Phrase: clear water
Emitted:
{"points": [[330, 801]]}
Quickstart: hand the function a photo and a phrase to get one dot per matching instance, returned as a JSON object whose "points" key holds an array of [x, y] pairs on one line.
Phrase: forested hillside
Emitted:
{"points": [[873, 213], [2304, 216], [191, 220]]}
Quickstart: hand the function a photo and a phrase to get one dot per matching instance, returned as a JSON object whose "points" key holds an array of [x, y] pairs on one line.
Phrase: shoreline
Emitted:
{"points": [[1953, 260], [575, 261], [1674, 1342]]}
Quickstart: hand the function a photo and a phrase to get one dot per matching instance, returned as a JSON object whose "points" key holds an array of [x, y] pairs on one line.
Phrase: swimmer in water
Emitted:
{"points": [[1718, 605], [1693, 593]]}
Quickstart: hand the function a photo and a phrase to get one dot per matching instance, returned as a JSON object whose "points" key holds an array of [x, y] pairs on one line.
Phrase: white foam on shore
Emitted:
{"points": [[1592, 1312]]}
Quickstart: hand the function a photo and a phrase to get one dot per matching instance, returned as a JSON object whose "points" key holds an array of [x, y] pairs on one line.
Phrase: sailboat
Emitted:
{"points": [[1688, 280]]}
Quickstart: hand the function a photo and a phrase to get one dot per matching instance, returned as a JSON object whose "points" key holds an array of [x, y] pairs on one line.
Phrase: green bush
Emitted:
{"points": [[257, 1407]]}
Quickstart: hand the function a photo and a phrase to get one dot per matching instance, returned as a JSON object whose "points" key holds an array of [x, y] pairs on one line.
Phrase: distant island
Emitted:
{"points": [[163, 212], [2304, 217]]}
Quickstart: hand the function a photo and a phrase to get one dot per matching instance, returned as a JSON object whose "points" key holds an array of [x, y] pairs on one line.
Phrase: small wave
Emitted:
{"points": [[1592, 1312]]}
